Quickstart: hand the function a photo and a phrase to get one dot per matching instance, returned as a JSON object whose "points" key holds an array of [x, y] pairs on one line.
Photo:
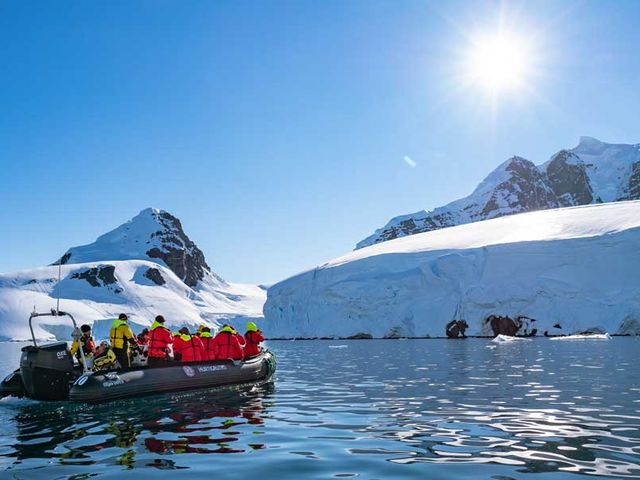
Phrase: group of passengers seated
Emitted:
{"points": [[160, 347]]}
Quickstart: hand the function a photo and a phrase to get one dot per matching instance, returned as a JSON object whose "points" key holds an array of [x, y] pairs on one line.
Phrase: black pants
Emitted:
{"points": [[155, 362], [122, 355]]}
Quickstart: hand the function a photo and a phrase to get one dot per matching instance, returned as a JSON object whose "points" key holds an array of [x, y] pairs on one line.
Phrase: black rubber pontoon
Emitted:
{"points": [[101, 387]]}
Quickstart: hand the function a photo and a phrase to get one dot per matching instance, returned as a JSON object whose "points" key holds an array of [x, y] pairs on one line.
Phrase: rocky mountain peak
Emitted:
{"points": [[568, 178], [565, 156], [153, 234], [177, 250], [521, 167], [524, 190], [512, 164]]}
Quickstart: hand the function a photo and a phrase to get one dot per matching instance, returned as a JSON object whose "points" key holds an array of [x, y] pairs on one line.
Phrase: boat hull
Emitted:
{"points": [[102, 387]]}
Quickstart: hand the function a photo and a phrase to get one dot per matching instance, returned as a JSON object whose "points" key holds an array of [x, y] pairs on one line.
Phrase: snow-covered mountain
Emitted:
{"points": [[592, 172], [145, 267], [571, 269]]}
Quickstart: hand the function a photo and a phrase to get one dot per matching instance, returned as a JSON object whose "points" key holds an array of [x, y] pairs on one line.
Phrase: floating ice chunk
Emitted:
{"points": [[595, 336], [507, 339]]}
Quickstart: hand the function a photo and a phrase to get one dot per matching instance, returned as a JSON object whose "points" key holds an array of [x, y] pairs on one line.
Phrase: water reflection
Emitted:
{"points": [[118, 432], [377, 409]]}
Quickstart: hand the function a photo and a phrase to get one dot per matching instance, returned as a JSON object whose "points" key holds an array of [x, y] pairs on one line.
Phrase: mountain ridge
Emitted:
{"points": [[144, 267], [592, 172]]}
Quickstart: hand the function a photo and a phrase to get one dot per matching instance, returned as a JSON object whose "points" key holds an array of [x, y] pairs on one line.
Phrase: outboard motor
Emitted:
{"points": [[47, 371]]}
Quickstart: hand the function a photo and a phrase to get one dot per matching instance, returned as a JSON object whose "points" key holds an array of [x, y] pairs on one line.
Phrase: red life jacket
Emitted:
{"points": [[252, 347], [188, 347], [159, 340], [209, 346], [88, 346], [228, 346]]}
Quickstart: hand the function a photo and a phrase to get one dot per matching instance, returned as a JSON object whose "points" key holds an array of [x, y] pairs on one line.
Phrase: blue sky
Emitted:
{"points": [[277, 131]]}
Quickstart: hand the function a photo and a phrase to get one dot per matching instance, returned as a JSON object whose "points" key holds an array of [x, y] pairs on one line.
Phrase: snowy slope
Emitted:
{"points": [[576, 267], [592, 172], [117, 274], [610, 168]]}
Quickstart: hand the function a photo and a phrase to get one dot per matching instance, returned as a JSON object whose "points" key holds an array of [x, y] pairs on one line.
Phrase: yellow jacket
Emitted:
{"points": [[104, 362], [121, 335], [87, 346], [74, 347]]}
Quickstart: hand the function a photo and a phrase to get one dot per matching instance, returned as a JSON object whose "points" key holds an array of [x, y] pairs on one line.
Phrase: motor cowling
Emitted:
{"points": [[47, 371]]}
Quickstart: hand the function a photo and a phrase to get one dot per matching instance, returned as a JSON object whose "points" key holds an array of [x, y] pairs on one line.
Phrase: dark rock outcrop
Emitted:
{"points": [[568, 179], [634, 182], [417, 224], [524, 191], [155, 276], [361, 336], [64, 259], [456, 328], [503, 325], [100, 276], [394, 332], [180, 254]]}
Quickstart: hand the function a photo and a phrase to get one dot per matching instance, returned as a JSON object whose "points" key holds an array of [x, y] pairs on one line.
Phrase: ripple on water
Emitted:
{"points": [[373, 409]]}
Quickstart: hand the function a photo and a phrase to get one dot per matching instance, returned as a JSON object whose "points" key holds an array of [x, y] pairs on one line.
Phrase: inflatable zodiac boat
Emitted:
{"points": [[48, 372]]}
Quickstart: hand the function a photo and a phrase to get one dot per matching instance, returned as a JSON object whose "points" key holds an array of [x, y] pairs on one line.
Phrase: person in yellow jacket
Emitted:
{"points": [[86, 342], [105, 358], [122, 340], [201, 327]]}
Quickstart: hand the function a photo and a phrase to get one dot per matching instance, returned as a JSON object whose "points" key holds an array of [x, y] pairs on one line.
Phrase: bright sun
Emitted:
{"points": [[500, 62]]}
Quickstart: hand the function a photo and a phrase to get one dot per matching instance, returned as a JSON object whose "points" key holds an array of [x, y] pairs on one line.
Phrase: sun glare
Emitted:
{"points": [[498, 63]]}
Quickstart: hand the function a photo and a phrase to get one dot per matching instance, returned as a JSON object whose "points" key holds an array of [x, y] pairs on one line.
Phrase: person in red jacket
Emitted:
{"points": [[227, 345], [239, 336], [187, 347], [208, 343], [143, 337], [253, 337], [160, 339]]}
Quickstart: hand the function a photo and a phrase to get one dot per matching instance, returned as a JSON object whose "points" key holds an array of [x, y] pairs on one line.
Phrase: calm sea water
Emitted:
{"points": [[449, 409]]}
